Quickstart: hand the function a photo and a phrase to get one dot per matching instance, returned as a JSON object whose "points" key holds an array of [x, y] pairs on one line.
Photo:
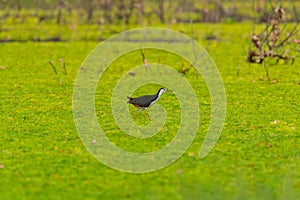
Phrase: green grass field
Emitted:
{"points": [[42, 156]]}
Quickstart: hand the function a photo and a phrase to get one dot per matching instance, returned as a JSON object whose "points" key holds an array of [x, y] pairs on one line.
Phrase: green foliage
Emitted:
{"points": [[42, 157]]}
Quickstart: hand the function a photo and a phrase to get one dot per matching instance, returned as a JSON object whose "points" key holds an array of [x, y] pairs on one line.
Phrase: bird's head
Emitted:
{"points": [[162, 90]]}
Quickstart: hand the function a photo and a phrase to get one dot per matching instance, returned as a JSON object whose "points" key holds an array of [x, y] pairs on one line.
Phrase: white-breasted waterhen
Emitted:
{"points": [[146, 101]]}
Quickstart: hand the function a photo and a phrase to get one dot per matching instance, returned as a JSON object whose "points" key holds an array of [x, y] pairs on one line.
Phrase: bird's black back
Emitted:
{"points": [[143, 101]]}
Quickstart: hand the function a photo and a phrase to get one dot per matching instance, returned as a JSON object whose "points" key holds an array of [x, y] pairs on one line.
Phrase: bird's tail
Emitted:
{"points": [[129, 98]]}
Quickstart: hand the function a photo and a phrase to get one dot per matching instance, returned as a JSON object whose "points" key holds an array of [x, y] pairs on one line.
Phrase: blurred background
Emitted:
{"points": [[67, 20]]}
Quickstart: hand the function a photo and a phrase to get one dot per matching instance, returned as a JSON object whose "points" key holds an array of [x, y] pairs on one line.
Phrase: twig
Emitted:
{"points": [[292, 33], [63, 66], [144, 59], [142, 52], [267, 71], [53, 67]]}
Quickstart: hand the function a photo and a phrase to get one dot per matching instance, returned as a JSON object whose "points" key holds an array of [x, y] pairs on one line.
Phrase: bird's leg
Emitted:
{"points": [[134, 114], [146, 115], [149, 114]]}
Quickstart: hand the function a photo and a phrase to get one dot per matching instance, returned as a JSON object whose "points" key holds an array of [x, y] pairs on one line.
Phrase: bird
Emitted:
{"points": [[145, 101]]}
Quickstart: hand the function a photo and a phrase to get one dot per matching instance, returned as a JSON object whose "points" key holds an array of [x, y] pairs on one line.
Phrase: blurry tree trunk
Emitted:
{"points": [[161, 11], [61, 5], [121, 8], [89, 10], [220, 13], [124, 11], [19, 7], [130, 11], [106, 6], [140, 10]]}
